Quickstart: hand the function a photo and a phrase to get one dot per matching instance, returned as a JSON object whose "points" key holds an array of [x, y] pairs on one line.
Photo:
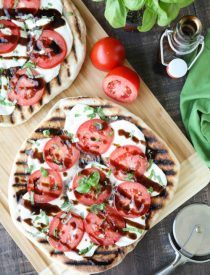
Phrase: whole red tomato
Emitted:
{"points": [[107, 54]]}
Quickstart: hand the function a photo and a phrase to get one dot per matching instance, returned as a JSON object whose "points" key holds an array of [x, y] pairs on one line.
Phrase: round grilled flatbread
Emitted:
{"points": [[105, 257], [67, 74]]}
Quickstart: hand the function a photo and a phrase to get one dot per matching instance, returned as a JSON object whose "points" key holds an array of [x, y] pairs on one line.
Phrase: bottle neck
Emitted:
{"points": [[187, 34]]}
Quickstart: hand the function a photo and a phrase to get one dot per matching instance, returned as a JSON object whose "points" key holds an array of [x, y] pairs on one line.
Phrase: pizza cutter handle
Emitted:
{"points": [[179, 260]]}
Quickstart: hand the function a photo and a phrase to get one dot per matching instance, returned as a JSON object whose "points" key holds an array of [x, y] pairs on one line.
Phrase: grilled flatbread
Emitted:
{"points": [[104, 257], [67, 74]]}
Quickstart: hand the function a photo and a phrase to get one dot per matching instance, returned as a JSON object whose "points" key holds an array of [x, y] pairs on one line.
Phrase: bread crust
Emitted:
{"points": [[67, 74], [105, 257]]}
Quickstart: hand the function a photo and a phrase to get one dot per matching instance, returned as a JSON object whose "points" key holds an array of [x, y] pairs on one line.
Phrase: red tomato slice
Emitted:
{"points": [[122, 84], [132, 199], [45, 188], [95, 136], [8, 41], [25, 90], [54, 47], [60, 154], [32, 5], [103, 228], [66, 231], [107, 54], [93, 196], [128, 160]]}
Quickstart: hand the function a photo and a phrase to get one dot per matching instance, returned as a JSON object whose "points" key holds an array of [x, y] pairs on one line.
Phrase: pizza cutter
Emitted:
{"points": [[191, 237]]}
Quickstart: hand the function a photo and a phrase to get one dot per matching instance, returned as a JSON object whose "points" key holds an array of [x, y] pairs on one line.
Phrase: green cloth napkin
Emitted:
{"points": [[195, 103]]}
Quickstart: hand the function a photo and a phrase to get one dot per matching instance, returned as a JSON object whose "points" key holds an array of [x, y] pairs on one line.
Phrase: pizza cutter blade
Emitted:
{"points": [[191, 237]]}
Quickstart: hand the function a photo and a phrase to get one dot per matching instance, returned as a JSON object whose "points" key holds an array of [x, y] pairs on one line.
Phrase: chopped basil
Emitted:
{"points": [[31, 197], [110, 134], [46, 133], [150, 164], [29, 73], [42, 218], [6, 102], [87, 182], [15, 4], [100, 112], [67, 219], [99, 126], [66, 206], [29, 65], [77, 115], [54, 187], [44, 172], [109, 173], [55, 233], [150, 190], [30, 169], [97, 139], [132, 229], [1, 26], [86, 250], [97, 207], [130, 175]]}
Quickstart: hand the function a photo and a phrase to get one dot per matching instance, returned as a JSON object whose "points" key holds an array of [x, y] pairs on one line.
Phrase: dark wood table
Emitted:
{"points": [[154, 251]]}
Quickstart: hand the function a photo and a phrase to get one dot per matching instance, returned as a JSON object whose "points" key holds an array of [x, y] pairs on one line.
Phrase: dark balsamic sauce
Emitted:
{"points": [[49, 209]]}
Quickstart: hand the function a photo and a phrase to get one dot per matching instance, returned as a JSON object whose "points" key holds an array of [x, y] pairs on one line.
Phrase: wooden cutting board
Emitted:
{"points": [[194, 173]]}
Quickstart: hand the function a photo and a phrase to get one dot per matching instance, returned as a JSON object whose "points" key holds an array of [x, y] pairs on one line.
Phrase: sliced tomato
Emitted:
{"points": [[60, 154], [95, 136], [49, 50], [104, 228], [96, 195], [66, 231], [132, 199], [31, 5], [107, 54], [45, 188], [26, 89], [122, 84], [9, 36], [128, 161]]}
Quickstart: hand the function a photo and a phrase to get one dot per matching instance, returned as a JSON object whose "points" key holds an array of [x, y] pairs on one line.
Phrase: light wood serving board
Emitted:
{"points": [[194, 173]]}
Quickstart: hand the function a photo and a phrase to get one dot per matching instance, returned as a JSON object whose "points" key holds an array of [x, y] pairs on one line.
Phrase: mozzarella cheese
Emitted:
{"points": [[121, 140]]}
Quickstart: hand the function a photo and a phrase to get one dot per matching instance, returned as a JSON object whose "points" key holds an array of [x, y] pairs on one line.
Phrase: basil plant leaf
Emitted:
{"points": [[134, 5], [149, 20], [116, 13], [172, 11]]}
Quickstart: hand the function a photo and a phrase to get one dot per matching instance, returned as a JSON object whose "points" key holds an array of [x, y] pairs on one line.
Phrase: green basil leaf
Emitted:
{"points": [[149, 20], [134, 5], [132, 229], [97, 207], [44, 172], [86, 250], [93, 179], [172, 11], [83, 188], [116, 13]]}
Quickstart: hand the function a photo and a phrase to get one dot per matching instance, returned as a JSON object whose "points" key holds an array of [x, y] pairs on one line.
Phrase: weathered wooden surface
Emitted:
{"points": [[154, 251]]}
